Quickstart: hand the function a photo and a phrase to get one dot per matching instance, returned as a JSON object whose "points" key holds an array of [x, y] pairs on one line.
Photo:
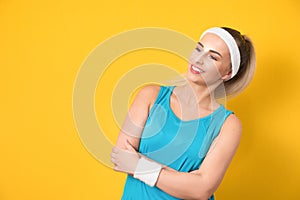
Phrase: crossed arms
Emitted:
{"points": [[199, 184]]}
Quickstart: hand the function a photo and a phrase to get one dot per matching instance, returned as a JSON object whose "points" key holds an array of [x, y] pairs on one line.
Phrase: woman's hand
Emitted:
{"points": [[125, 160], [135, 164]]}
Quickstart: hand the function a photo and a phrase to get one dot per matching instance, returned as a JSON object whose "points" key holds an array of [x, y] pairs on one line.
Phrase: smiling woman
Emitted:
{"points": [[178, 141]]}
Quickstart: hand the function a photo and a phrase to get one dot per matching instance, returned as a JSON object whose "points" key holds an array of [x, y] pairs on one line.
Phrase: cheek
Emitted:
{"points": [[192, 56], [217, 68], [226, 64], [216, 71], [225, 68]]}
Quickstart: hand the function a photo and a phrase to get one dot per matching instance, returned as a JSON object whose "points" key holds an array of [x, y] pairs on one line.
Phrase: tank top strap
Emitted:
{"points": [[161, 99], [214, 126], [163, 92], [158, 112]]}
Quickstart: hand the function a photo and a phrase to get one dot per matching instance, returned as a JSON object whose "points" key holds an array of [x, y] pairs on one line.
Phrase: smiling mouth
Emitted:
{"points": [[197, 69]]}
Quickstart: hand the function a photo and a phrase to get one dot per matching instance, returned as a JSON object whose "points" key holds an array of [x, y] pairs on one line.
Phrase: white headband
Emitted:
{"points": [[231, 44]]}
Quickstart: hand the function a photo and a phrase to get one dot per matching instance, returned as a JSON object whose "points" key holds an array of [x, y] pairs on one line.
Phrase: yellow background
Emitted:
{"points": [[43, 44]]}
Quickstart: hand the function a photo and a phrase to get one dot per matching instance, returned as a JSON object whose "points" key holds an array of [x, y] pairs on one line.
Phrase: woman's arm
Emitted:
{"points": [[198, 184], [137, 116], [134, 122], [202, 183]]}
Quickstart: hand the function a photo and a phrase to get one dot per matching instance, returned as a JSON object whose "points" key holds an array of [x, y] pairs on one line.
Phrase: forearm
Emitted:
{"points": [[182, 184]]}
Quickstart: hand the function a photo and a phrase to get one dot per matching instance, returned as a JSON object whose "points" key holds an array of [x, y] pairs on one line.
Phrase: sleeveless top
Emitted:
{"points": [[179, 144]]}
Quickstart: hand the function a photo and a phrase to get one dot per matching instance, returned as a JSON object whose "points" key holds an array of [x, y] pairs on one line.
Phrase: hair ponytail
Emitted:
{"points": [[241, 80]]}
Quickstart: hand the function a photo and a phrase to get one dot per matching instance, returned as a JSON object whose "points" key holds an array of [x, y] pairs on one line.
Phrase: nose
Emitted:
{"points": [[199, 60]]}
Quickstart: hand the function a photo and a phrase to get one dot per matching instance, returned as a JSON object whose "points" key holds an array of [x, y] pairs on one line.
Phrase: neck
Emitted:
{"points": [[191, 93]]}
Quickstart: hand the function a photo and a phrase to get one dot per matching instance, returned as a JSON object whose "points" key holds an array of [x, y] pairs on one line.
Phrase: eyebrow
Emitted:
{"points": [[213, 51]]}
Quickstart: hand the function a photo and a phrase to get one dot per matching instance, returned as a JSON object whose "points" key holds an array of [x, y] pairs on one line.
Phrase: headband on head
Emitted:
{"points": [[235, 56]]}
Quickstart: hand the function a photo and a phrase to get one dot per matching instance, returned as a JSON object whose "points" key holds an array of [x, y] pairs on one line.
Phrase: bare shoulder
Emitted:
{"points": [[232, 125], [150, 90], [233, 120], [149, 93]]}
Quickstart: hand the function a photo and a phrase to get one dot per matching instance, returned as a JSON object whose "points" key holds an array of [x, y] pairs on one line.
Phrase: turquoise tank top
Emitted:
{"points": [[179, 144]]}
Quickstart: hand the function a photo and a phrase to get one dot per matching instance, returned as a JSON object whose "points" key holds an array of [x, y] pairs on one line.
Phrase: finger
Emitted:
{"points": [[113, 160], [115, 150], [113, 155], [116, 168]]}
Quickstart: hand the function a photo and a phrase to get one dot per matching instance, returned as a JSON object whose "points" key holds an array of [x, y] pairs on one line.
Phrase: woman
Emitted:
{"points": [[178, 141]]}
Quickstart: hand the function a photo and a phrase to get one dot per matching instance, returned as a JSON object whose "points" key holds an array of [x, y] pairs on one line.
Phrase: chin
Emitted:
{"points": [[195, 79]]}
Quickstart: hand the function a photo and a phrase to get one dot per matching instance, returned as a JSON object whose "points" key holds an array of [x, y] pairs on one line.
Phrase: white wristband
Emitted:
{"points": [[147, 171]]}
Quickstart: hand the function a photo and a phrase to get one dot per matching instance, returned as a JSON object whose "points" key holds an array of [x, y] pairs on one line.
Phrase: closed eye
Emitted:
{"points": [[198, 49], [212, 57]]}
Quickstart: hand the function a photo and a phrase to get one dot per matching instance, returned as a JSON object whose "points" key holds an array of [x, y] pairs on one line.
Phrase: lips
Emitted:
{"points": [[196, 69]]}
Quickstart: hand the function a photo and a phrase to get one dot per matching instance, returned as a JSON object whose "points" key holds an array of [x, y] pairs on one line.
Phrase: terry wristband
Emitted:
{"points": [[147, 171]]}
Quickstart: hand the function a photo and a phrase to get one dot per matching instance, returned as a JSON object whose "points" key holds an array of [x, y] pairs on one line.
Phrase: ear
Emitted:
{"points": [[227, 76]]}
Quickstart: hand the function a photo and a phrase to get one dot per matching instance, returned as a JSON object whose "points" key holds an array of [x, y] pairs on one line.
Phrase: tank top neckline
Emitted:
{"points": [[187, 121]]}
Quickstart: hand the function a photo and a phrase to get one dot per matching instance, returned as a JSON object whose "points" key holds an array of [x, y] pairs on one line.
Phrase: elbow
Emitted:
{"points": [[194, 193], [202, 196], [206, 193]]}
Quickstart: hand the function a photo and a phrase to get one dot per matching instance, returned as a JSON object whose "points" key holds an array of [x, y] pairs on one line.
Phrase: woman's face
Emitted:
{"points": [[209, 62]]}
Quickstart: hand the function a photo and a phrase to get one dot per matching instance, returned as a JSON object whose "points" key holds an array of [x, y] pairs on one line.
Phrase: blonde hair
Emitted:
{"points": [[242, 79]]}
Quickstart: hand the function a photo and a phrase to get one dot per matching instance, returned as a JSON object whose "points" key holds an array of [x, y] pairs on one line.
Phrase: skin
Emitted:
{"points": [[202, 183]]}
